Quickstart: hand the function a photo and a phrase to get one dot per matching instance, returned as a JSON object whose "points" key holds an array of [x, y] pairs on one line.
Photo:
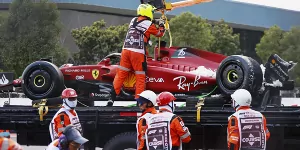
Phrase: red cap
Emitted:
{"points": [[164, 98], [68, 92]]}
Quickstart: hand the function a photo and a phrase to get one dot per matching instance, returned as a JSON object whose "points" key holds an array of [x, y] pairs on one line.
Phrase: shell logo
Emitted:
{"points": [[130, 80]]}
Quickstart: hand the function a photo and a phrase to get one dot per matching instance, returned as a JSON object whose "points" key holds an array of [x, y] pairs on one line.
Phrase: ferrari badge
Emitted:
{"points": [[95, 73]]}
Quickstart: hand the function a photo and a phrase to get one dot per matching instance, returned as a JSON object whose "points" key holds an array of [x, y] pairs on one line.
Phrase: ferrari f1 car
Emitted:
{"points": [[184, 71]]}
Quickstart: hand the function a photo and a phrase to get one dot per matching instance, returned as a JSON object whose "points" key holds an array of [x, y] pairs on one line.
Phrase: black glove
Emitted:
{"points": [[161, 25], [155, 21], [158, 22]]}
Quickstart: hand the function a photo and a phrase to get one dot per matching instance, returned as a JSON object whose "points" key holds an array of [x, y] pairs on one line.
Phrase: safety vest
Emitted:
{"points": [[158, 133], [134, 40], [73, 119], [146, 117], [251, 129]]}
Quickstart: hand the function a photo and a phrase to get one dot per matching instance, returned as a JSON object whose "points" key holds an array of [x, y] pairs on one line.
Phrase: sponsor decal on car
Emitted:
{"points": [[95, 73], [100, 94], [129, 80], [78, 70], [79, 77], [180, 53], [156, 80], [204, 72], [183, 85]]}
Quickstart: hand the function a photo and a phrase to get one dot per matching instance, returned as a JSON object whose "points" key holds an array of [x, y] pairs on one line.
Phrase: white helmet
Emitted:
{"points": [[241, 97], [149, 95]]}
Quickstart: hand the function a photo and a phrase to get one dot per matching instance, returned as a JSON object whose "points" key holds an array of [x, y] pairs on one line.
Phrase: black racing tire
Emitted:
{"points": [[239, 72], [122, 141], [42, 79]]}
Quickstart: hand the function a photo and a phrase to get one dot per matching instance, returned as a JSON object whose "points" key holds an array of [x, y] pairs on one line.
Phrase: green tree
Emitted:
{"points": [[3, 17], [96, 41], [190, 30], [284, 44], [290, 50], [31, 32], [225, 41], [270, 43]]}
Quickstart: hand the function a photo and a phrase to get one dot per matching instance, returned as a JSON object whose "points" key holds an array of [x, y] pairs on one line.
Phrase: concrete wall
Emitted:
{"points": [[80, 13], [75, 19], [75, 15], [230, 11]]}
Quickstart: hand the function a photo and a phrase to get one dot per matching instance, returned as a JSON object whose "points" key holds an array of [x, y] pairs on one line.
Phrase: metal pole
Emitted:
{"points": [[8, 97]]}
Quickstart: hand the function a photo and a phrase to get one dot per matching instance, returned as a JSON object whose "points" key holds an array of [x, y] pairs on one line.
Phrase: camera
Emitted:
{"points": [[158, 4]]}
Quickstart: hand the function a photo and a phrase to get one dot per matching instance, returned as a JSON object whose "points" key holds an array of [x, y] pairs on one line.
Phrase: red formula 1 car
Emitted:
{"points": [[184, 71]]}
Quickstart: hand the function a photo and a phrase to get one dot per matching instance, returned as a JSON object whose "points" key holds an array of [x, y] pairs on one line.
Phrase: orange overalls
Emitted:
{"points": [[61, 120], [142, 126], [134, 52], [244, 128], [9, 144]]}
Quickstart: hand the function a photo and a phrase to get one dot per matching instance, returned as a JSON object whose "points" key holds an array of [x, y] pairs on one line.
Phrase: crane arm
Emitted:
{"points": [[183, 3]]}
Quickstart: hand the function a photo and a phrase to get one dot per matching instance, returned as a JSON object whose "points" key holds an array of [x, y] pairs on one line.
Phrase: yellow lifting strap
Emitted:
{"points": [[199, 106], [41, 107], [167, 26]]}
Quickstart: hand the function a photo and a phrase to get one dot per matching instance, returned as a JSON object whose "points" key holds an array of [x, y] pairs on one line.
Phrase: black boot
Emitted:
{"points": [[124, 95], [113, 96]]}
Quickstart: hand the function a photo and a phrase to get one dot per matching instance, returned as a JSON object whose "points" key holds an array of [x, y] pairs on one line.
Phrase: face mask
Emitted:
{"points": [[71, 104]]}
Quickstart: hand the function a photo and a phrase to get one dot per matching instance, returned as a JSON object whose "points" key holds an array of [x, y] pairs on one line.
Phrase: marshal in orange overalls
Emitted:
{"points": [[134, 49], [245, 133]]}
